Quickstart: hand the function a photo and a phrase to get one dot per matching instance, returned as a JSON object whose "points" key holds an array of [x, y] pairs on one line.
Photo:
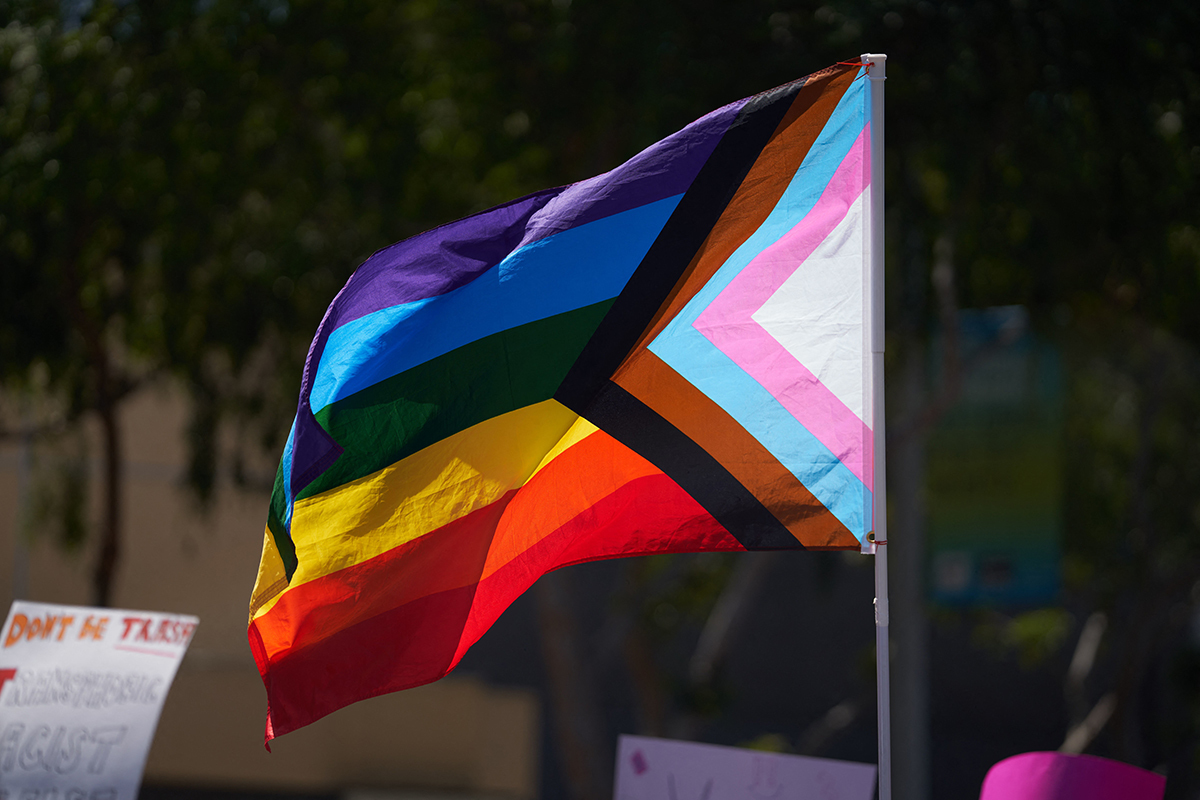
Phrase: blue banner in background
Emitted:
{"points": [[994, 476]]}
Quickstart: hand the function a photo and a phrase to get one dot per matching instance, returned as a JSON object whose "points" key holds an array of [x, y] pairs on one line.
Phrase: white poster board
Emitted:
{"points": [[80, 694], [662, 769]]}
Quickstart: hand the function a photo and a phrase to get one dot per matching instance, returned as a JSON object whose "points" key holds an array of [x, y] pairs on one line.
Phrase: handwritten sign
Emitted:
{"points": [[661, 769], [81, 690]]}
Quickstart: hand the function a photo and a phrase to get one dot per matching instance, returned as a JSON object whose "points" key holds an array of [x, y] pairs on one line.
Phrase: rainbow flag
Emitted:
{"points": [[670, 357]]}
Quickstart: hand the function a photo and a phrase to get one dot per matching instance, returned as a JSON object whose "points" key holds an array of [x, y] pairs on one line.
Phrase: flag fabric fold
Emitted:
{"points": [[669, 357]]}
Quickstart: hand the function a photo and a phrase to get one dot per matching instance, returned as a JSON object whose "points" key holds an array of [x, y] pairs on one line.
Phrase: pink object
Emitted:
{"points": [[1057, 776]]}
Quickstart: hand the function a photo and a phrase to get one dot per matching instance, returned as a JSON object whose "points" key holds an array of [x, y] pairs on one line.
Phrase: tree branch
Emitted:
{"points": [[1082, 662], [732, 604], [1080, 736]]}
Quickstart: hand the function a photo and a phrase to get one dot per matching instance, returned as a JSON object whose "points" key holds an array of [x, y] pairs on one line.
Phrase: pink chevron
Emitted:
{"points": [[727, 321]]}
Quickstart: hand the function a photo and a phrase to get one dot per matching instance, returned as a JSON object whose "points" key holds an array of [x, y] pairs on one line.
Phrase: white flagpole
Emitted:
{"points": [[876, 74]]}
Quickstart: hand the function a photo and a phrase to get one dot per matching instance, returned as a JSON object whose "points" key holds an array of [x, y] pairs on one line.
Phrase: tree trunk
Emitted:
{"points": [[108, 389], [110, 530]]}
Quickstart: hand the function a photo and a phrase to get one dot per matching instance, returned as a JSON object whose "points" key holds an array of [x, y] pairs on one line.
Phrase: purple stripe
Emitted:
{"points": [[664, 169]]}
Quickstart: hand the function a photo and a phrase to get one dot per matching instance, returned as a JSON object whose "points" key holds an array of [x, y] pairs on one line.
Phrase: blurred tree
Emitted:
{"points": [[183, 188]]}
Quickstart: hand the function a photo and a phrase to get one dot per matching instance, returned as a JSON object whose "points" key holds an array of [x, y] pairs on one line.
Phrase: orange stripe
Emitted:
{"points": [[570, 485]]}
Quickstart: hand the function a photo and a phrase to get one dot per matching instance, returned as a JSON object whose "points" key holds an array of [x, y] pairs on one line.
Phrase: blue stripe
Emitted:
{"points": [[563, 272], [287, 478], [712, 372]]}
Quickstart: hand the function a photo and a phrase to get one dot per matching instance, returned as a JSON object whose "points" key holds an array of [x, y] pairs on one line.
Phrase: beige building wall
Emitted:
{"points": [[457, 735]]}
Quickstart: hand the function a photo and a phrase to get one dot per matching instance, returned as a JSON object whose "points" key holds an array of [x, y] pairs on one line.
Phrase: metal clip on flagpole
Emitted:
{"points": [[876, 66]]}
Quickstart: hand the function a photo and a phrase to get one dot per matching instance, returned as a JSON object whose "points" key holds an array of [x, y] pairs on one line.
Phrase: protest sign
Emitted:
{"points": [[661, 769], [81, 690]]}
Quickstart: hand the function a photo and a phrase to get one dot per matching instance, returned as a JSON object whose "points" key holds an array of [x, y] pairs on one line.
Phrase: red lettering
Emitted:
{"points": [[143, 634], [6, 675]]}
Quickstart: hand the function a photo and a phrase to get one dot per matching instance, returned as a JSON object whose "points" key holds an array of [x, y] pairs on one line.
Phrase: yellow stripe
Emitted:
{"points": [[272, 578], [445, 481]]}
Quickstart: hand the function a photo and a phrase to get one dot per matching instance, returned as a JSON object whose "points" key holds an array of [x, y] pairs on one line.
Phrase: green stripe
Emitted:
{"points": [[283, 542], [491, 376]]}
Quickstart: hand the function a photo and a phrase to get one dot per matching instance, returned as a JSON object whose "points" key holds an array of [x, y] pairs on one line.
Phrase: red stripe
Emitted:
{"points": [[423, 639], [398, 649]]}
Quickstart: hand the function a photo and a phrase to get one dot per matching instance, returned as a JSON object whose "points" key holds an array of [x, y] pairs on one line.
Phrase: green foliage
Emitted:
{"points": [[769, 743], [58, 493], [1137, 518], [1033, 635]]}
